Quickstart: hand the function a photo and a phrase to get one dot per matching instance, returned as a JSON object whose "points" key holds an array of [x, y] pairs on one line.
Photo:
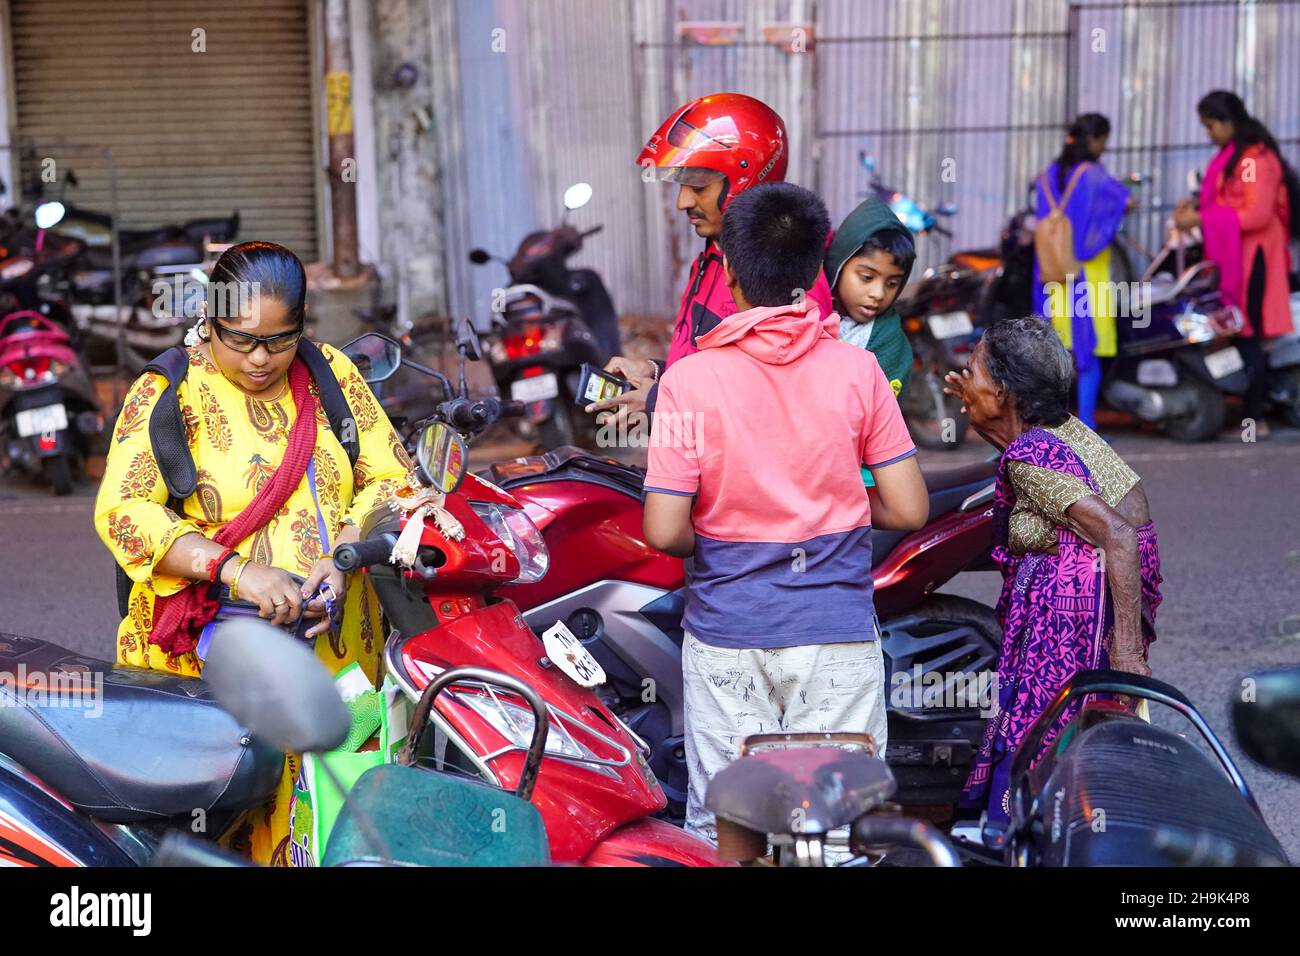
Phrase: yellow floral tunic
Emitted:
{"points": [[238, 442]]}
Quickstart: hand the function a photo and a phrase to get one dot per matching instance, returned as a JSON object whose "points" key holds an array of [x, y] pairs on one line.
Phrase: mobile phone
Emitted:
{"points": [[597, 385]]}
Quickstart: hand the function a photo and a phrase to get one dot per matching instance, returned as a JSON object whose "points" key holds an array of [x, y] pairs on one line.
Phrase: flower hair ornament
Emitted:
{"points": [[196, 333]]}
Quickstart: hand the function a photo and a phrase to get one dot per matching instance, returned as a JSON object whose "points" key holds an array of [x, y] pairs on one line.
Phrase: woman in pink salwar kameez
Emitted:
{"points": [[1244, 212]]}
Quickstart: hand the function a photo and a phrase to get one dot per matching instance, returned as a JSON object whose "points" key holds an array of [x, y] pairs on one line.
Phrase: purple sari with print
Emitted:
{"points": [[1055, 619]]}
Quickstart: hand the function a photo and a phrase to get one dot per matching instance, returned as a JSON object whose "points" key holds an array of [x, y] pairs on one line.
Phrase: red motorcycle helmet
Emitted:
{"points": [[723, 134]]}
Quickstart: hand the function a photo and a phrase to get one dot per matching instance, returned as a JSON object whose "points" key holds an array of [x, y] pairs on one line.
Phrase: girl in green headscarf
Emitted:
{"points": [[867, 265]]}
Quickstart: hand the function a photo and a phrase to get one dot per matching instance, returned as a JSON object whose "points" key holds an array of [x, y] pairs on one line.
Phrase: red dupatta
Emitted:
{"points": [[178, 618]]}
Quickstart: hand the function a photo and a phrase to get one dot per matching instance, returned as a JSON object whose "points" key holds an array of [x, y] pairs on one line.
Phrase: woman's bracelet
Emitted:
{"points": [[234, 581], [214, 572]]}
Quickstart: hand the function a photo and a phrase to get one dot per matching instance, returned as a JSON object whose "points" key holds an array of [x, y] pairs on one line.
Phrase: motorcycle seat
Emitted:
{"points": [[799, 789], [1144, 777], [126, 744]]}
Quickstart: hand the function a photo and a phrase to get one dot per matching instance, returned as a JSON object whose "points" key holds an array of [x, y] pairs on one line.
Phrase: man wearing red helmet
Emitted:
{"points": [[713, 148]]}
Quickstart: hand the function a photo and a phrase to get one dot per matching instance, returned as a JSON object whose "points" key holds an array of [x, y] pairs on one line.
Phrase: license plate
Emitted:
{"points": [[1224, 362], [535, 389], [40, 421], [567, 653], [1158, 372], [950, 325]]}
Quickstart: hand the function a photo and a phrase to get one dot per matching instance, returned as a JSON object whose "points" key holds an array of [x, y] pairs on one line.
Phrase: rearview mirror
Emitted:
{"points": [[467, 340], [442, 457], [1266, 716], [479, 256], [376, 356], [868, 161], [276, 687], [577, 196]]}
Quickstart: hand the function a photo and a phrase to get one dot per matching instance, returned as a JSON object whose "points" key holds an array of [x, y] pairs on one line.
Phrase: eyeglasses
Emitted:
{"points": [[245, 342]]}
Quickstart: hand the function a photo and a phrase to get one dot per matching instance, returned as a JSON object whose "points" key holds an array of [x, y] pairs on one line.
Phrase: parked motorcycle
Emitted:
{"points": [[547, 323], [48, 408], [152, 263], [596, 791]]}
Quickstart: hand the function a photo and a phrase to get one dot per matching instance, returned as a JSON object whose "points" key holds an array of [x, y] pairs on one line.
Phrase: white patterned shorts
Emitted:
{"points": [[732, 693]]}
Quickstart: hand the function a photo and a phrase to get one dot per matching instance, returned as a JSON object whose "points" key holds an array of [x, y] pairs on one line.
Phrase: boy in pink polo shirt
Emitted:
{"points": [[755, 457]]}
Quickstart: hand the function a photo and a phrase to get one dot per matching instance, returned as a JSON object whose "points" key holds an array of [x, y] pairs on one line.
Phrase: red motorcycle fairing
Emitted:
{"points": [[931, 556], [598, 521], [653, 842], [580, 804]]}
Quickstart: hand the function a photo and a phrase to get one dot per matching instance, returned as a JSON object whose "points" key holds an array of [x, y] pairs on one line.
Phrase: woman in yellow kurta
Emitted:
{"points": [[239, 411]]}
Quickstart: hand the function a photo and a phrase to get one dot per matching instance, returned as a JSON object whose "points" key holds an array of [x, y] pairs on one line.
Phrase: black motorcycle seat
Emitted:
{"points": [[214, 228], [1142, 777], [945, 479], [126, 744], [799, 789]]}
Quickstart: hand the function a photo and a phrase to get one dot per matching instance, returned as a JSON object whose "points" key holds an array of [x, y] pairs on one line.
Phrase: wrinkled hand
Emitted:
{"points": [[955, 383], [641, 375], [273, 590], [322, 571]]}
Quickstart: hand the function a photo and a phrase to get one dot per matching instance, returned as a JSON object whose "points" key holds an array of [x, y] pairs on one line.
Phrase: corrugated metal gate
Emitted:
{"points": [[192, 133]]}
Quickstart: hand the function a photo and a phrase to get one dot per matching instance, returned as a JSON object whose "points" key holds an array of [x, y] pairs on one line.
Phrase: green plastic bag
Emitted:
{"points": [[317, 799]]}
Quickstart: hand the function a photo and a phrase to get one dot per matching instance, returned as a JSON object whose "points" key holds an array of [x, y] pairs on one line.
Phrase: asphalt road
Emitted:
{"points": [[1228, 515]]}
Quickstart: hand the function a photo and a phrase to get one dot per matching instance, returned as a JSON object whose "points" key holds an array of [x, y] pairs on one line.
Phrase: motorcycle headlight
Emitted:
{"points": [[1195, 327], [517, 531], [515, 723]]}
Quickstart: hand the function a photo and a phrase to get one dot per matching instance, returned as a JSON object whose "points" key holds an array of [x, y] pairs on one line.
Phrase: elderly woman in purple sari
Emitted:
{"points": [[1083, 309], [1073, 538]]}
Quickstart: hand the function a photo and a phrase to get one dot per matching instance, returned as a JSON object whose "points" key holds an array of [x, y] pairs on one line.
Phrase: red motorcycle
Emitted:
{"points": [[596, 791]]}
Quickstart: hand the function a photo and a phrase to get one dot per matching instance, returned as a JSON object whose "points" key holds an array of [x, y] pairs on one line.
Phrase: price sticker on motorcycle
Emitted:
{"points": [[567, 653]]}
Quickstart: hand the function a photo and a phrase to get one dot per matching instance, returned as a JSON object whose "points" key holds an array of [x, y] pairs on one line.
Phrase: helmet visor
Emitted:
{"points": [[697, 177]]}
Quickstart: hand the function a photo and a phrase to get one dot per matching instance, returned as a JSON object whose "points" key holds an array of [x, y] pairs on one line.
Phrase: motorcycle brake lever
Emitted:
{"points": [[422, 569]]}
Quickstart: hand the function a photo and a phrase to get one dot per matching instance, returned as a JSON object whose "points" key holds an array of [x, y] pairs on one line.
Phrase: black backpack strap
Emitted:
{"points": [[332, 399], [171, 447]]}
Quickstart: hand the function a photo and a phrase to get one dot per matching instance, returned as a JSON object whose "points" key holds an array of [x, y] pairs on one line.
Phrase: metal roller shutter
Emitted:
{"points": [[192, 134]]}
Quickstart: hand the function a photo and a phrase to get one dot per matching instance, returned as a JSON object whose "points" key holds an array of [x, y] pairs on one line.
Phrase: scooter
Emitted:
{"points": [[548, 322], [49, 412], [596, 791]]}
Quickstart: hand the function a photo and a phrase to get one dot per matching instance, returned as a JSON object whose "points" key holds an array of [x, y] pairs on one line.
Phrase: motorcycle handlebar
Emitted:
{"points": [[350, 557]]}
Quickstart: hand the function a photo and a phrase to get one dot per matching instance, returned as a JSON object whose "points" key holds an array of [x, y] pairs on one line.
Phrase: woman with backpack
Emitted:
{"points": [[1246, 211], [237, 464], [1080, 208]]}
